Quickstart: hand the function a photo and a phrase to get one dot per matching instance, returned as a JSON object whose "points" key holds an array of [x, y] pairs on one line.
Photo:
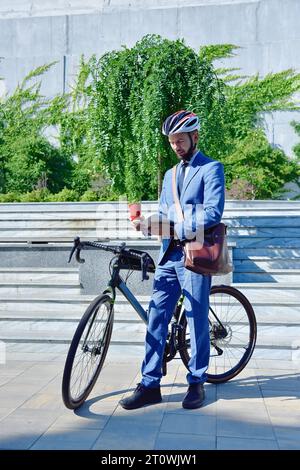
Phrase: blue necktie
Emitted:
{"points": [[181, 175]]}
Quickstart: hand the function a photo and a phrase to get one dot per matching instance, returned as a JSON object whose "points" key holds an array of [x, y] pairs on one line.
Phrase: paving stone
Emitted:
{"points": [[17, 441], [127, 434], [246, 418], [257, 410], [188, 424], [66, 438], [24, 420], [44, 401], [170, 441], [229, 443], [82, 421], [288, 437], [278, 380]]}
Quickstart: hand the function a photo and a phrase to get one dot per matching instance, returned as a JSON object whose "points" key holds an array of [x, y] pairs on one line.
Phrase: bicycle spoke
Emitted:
{"points": [[89, 351], [232, 328]]}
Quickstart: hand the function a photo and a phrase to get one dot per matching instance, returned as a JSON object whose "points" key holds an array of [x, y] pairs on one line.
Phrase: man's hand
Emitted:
{"points": [[140, 225], [153, 225]]}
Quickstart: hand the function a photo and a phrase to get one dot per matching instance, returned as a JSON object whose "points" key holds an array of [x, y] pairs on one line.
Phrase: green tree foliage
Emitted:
{"points": [[27, 159], [296, 126], [296, 149], [248, 156], [131, 92], [73, 119], [109, 140]]}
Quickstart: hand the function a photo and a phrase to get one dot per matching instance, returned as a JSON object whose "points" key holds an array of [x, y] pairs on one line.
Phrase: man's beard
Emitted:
{"points": [[188, 155]]}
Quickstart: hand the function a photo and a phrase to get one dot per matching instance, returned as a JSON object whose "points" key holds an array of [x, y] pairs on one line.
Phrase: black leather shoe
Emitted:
{"points": [[194, 397], [141, 396]]}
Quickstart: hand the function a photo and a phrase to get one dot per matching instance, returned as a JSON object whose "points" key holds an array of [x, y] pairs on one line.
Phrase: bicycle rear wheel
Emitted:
{"points": [[232, 329], [87, 351]]}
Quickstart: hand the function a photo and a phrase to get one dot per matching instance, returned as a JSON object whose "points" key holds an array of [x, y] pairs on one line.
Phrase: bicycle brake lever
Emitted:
{"points": [[76, 247], [144, 266], [78, 259], [71, 254]]}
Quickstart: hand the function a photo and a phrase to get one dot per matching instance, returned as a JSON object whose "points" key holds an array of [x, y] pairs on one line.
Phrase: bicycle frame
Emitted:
{"points": [[116, 282], [234, 355]]}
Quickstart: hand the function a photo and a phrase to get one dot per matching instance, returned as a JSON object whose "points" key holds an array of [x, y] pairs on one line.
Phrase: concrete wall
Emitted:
{"points": [[36, 32]]}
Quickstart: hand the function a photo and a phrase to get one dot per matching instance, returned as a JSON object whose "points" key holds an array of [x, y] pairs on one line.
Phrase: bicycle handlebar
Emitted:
{"points": [[143, 257]]}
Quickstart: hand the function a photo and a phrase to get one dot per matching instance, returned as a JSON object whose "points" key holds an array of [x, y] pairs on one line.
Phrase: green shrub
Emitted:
{"points": [[28, 161], [10, 197], [37, 195], [89, 195], [33, 163], [266, 169], [65, 195]]}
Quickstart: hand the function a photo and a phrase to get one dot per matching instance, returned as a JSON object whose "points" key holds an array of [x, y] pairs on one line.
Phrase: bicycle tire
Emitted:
{"points": [[92, 344], [225, 371]]}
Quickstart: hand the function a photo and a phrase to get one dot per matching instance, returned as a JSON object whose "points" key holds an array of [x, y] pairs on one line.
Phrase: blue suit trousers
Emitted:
{"points": [[171, 278]]}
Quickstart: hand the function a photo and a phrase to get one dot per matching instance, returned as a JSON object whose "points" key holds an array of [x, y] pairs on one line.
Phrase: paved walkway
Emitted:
{"points": [[258, 410]]}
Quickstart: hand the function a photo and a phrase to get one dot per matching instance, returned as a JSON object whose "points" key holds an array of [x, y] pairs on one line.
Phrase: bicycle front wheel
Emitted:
{"points": [[232, 330], [87, 351]]}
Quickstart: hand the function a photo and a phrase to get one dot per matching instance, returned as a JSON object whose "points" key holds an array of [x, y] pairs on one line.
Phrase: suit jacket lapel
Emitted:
{"points": [[194, 168]]}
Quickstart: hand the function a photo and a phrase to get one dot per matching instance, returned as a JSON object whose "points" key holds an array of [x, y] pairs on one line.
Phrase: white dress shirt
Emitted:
{"points": [[189, 164]]}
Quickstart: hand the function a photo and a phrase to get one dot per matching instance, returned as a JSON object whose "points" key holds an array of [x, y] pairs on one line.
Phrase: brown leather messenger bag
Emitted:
{"points": [[210, 257]]}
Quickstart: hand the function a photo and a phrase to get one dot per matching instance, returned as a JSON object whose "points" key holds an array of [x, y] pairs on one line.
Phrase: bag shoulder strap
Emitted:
{"points": [[175, 196]]}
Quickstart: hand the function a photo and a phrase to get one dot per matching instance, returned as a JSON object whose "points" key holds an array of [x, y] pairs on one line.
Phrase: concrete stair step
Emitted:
{"points": [[261, 205], [62, 311], [258, 226], [265, 242], [266, 253], [67, 216], [266, 313], [261, 222], [275, 291], [38, 288], [278, 335], [70, 224], [262, 293], [253, 268], [257, 264], [269, 336], [281, 314], [38, 274], [60, 307], [38, 351], [57, 241], [101, 206], [276, 276], [133, 334], [264, 232], [69, 299], [71, 316], [45, 231]]}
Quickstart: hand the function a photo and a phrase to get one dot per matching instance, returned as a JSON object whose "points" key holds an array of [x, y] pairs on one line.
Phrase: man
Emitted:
{"points": [[200, 187]]}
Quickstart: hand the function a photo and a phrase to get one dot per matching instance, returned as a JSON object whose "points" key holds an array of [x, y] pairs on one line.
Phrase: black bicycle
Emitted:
{"points": [[232, 326]]}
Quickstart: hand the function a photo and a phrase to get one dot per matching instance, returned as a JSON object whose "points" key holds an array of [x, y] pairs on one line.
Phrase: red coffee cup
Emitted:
{"points": [[134, 211]]}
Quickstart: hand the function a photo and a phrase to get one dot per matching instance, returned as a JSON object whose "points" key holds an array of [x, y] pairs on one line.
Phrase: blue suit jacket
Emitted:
{"points": [[202, 199]]}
